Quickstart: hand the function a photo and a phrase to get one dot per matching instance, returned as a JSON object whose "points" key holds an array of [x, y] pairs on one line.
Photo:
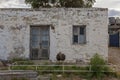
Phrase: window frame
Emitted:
{"points": [[78, 34]]}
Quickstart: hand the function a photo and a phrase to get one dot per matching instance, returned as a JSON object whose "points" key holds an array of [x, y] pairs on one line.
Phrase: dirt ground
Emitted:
{"points": [[114, 56]]}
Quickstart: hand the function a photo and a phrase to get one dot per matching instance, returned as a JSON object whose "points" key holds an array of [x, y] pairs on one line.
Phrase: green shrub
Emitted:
{"points": [[98, 67]]}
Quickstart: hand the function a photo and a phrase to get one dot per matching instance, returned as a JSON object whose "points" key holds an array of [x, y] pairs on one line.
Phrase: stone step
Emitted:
{"points": [[8, 75]]}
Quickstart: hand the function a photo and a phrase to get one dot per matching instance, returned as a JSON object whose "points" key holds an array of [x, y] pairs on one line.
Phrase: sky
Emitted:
{"points": [[112, 5]]}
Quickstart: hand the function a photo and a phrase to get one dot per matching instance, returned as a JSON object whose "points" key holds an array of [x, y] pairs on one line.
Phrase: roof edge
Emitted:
{"points": [[93, 8]]}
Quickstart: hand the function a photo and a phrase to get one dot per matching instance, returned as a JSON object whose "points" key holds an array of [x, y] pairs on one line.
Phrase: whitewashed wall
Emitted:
{"points": [[15, 31]]}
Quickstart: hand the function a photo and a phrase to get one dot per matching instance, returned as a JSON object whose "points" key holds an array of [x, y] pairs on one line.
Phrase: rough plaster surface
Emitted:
{"points": [[15, 31]]}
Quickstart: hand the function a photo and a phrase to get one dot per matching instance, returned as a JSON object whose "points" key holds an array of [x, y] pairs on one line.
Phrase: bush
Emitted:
{"points": [[60, 57], [98, 67]]}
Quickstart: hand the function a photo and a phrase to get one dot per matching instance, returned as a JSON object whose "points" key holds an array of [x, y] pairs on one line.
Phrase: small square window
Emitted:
{"points": [[79, 34]]}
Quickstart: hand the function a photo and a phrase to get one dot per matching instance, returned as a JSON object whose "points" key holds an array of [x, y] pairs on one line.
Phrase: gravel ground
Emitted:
{"points": [[114, 56]]}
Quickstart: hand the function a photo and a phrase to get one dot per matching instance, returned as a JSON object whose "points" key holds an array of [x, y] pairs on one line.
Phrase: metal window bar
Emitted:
{"points": [[63, 68]]}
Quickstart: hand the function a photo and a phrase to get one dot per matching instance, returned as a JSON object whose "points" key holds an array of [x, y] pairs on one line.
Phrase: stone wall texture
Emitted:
{"points": [[15, 31]]}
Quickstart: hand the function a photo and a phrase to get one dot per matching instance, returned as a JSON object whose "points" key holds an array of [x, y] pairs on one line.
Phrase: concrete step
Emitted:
{"points": [[41, 62], [9, 75]]}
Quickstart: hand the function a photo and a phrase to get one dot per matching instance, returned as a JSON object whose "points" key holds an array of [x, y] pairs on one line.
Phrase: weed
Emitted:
{"points": [[98, 67]]}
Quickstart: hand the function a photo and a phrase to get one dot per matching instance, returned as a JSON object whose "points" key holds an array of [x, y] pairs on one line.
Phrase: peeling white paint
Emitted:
{"points": [[15, 36]]}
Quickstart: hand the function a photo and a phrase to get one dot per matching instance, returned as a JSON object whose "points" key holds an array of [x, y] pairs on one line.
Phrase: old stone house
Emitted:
{"points": [[41, 34]]}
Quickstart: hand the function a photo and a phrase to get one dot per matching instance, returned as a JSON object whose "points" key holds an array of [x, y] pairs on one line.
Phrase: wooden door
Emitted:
{"points": [[39, 43]]}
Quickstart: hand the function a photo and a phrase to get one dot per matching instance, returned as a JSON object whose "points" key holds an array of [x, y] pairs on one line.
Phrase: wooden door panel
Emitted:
{"points": [[39, 42], [45, 42]]}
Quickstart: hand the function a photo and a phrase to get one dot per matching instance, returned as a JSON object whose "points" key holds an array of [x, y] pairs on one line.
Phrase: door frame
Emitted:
{"points": [[30, 54]]}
